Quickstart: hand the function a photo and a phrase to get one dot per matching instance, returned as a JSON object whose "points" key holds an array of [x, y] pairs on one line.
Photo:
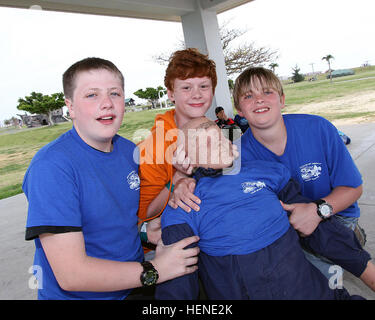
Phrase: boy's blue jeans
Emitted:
{"points": [[322, 263]]}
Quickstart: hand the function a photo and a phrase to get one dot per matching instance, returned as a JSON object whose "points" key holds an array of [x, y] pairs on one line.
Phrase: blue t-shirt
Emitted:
{"points": [[315, 155], [69, 183], [239, 213]]}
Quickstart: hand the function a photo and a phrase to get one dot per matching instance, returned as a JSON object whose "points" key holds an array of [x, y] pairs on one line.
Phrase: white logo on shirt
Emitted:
{"points": [[311, 171], [252, 186], [133, 180]]}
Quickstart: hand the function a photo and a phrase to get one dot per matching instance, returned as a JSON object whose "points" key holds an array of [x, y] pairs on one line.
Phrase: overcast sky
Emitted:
{"points": [[36, 47]]}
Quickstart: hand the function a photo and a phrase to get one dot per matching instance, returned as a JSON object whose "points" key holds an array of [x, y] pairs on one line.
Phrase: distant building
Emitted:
{"points": [[341, 73], [129, 102], [37, 120]]}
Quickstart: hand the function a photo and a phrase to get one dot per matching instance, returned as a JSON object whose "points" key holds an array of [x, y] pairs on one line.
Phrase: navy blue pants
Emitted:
{"points": [[339, 244], [279, 271]]}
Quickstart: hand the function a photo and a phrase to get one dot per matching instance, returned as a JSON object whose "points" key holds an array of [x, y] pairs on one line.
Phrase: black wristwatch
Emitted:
{"points": [[324, 209], [149, 275]]}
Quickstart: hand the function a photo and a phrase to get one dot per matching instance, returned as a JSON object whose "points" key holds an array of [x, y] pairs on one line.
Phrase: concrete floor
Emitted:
{"points": [[362, 149], [16, 254]]}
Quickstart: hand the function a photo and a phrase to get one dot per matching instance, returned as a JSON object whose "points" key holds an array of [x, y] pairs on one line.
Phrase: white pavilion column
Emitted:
{"points": [[201, 31]]}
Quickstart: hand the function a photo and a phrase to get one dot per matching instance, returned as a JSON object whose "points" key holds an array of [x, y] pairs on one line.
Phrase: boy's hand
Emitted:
{"points": [[181, 161], [173, 260], [303, 217], [183, 195]]}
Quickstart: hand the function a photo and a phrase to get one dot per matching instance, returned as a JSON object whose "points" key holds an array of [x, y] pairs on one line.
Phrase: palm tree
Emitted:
{"points": [[328, 57], [273, 66]]}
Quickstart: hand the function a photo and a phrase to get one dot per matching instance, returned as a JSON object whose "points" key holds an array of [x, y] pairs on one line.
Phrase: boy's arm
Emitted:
{"points": [[303, 214], [160, 201], [75, 271], [157, 204], [342, 197], [330, 238], [185, 287], [154, 193], [183, 185]]}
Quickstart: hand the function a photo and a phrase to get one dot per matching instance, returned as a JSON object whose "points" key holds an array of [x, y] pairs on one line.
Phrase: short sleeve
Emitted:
{"points": [[53, 195], [177, 216], [342, 169]]}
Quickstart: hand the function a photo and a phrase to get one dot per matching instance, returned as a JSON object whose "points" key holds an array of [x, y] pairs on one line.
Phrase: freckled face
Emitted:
{"points": [[97, 107], [192, 98]]}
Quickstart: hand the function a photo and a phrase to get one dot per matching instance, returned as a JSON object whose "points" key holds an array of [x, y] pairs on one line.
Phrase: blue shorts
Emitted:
{"points": [[279, 271]]}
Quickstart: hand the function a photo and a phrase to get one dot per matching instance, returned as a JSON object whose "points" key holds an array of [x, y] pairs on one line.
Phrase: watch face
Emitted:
{"points": [[325, 210], [150, 277]]}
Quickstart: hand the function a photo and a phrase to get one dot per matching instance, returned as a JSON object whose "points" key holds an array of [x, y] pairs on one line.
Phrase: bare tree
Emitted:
{"points": [[237, 57]]}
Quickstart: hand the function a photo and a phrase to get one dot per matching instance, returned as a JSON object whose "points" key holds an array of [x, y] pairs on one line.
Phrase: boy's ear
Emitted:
{"points": [[170, 95], [69, 105], [282, 101]]}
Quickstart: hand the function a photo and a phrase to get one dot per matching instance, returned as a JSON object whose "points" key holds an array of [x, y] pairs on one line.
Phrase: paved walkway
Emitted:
{"points": [[16, 254], [362, 149]]}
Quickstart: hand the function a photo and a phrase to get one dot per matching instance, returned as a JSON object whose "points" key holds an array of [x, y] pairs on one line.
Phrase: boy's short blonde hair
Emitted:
{"points": [[246, 80]]}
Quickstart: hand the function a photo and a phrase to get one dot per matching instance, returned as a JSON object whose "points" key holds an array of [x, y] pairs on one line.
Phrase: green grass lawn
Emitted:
{"points": [[17, 149], [323, 89]]}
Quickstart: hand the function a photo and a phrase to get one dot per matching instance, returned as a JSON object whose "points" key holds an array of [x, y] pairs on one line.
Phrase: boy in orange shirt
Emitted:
{"points": [[190, 80]]}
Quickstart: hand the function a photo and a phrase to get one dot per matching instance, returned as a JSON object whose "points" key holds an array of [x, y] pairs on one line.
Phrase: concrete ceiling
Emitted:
{"points": [[167, 10]]}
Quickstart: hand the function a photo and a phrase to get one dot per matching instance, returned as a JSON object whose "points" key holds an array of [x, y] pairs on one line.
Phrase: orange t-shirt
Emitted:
{"points": [[156, 152]]}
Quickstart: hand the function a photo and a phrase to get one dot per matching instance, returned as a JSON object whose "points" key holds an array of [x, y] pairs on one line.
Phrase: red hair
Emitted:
{"points": [[189, 63]]}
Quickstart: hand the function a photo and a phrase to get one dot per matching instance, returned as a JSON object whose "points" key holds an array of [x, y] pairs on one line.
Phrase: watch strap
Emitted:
{"points": [[147, 265], [319, 202]]}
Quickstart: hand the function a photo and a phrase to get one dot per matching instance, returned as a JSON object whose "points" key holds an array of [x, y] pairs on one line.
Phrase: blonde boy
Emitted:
{"points": [[310, 147]]}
